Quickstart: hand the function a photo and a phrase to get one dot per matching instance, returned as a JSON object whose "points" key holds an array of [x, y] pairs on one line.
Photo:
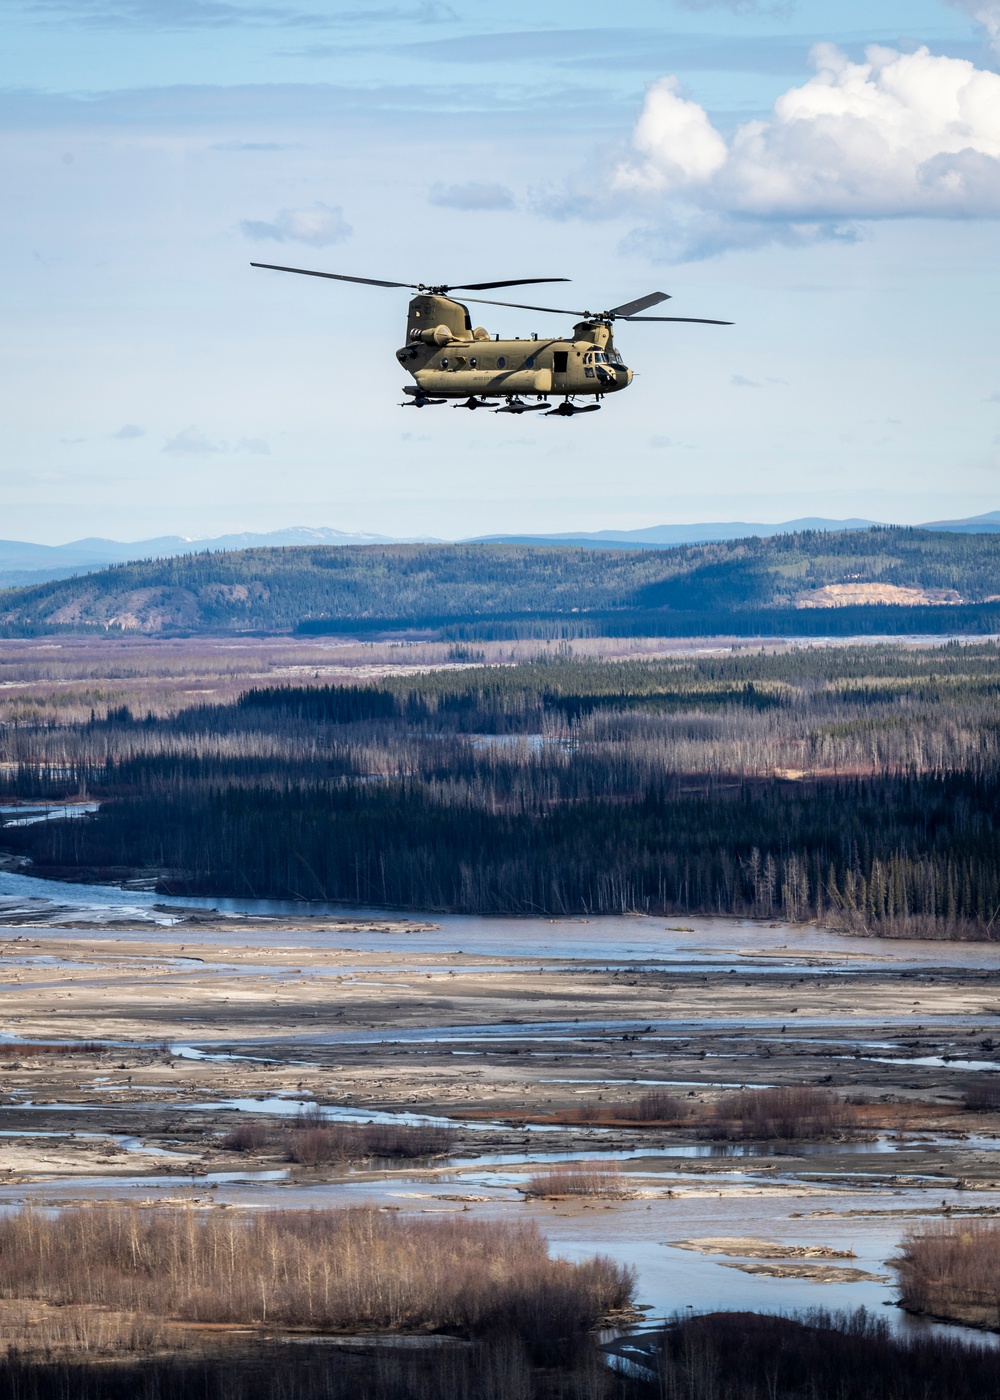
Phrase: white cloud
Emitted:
{"points": [[257, 446], [678, 144], [474, 195], [319, 226], [898, 135], [129, 430], [984, 12], [192, 442]]}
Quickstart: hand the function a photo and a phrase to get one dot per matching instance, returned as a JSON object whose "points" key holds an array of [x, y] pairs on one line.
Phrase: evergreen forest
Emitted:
{"points": [[856, 785]]}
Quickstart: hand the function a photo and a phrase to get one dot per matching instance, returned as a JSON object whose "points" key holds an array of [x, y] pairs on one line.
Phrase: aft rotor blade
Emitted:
{"points": [[335, 276], [694, 320], [517, 282], [640, 304]]}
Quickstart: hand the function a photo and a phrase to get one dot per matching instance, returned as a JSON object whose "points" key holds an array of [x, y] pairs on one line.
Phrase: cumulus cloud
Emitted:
{"points": [[474, 195], [192, 442], [897, 135], [320, 225], [257, 446], [129, 430]]}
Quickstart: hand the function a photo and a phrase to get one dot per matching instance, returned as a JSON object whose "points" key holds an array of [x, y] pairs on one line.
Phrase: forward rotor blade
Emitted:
{"points": [[694, 320], [335, 276], [518, 282], [520, 306], [629, 308]]}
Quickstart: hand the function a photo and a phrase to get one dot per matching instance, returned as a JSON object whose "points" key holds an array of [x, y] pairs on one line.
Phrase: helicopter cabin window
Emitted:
{"points": [[444, 364], [472, 362], [530, 362], [560, 361], [501, 363]]}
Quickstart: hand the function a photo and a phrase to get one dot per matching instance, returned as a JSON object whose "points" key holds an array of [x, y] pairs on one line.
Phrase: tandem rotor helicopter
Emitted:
{"points": [[451, 359]]}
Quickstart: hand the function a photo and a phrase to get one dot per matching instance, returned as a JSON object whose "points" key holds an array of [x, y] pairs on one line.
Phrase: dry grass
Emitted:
{"points": [[952, 1269], [26, 1051], [326, 1271], [576, 1179]]}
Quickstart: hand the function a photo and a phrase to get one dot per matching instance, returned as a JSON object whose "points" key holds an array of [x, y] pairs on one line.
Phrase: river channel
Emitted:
{"points": [[501, 1027]]}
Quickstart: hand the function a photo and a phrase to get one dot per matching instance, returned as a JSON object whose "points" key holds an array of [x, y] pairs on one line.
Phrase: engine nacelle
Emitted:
{"points": [[440, 335]]}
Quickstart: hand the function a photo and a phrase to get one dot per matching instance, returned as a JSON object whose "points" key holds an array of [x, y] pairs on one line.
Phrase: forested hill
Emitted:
{"points": [[904, 579]]}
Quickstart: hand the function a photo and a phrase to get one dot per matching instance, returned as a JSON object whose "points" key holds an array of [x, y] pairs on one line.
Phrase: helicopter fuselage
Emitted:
{"points": [[449, 358]]}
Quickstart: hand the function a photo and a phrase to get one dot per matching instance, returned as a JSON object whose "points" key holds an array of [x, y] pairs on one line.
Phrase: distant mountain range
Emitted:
{"points": [[23, 564], [713, 532], [810, 583]]}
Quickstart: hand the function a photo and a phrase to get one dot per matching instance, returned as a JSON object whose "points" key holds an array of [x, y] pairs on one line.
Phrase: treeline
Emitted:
{"points": [[855, 620], [746, 586], [860, 787], [885, 855]]}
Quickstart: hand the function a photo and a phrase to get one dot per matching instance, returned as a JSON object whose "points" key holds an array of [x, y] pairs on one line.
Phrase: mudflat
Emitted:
{"points": [[159, 1040]]}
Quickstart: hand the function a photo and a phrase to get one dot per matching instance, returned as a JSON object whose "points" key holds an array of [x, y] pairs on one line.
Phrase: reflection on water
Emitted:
{"points": [[603, 941], [637, 1232]]}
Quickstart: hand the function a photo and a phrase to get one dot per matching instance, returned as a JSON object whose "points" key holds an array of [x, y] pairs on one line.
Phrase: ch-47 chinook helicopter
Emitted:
{"points": [[451, 359]]}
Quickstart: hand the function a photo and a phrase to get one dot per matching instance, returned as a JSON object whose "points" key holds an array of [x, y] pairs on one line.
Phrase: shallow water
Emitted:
{"points": [[603, 941], [634, 1232], [637, 1232], [28, 814]]}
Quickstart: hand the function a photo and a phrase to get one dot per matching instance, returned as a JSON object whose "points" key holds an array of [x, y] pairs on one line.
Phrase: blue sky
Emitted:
{"points": [[827, 176]]}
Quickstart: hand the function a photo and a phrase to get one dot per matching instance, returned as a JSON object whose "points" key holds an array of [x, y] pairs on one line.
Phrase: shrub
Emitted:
{"points": [[952, 1269], [313, 1142], [783, 1113], [575, 1179], [325, 1270], [982, 1095], [249, 1137]]}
